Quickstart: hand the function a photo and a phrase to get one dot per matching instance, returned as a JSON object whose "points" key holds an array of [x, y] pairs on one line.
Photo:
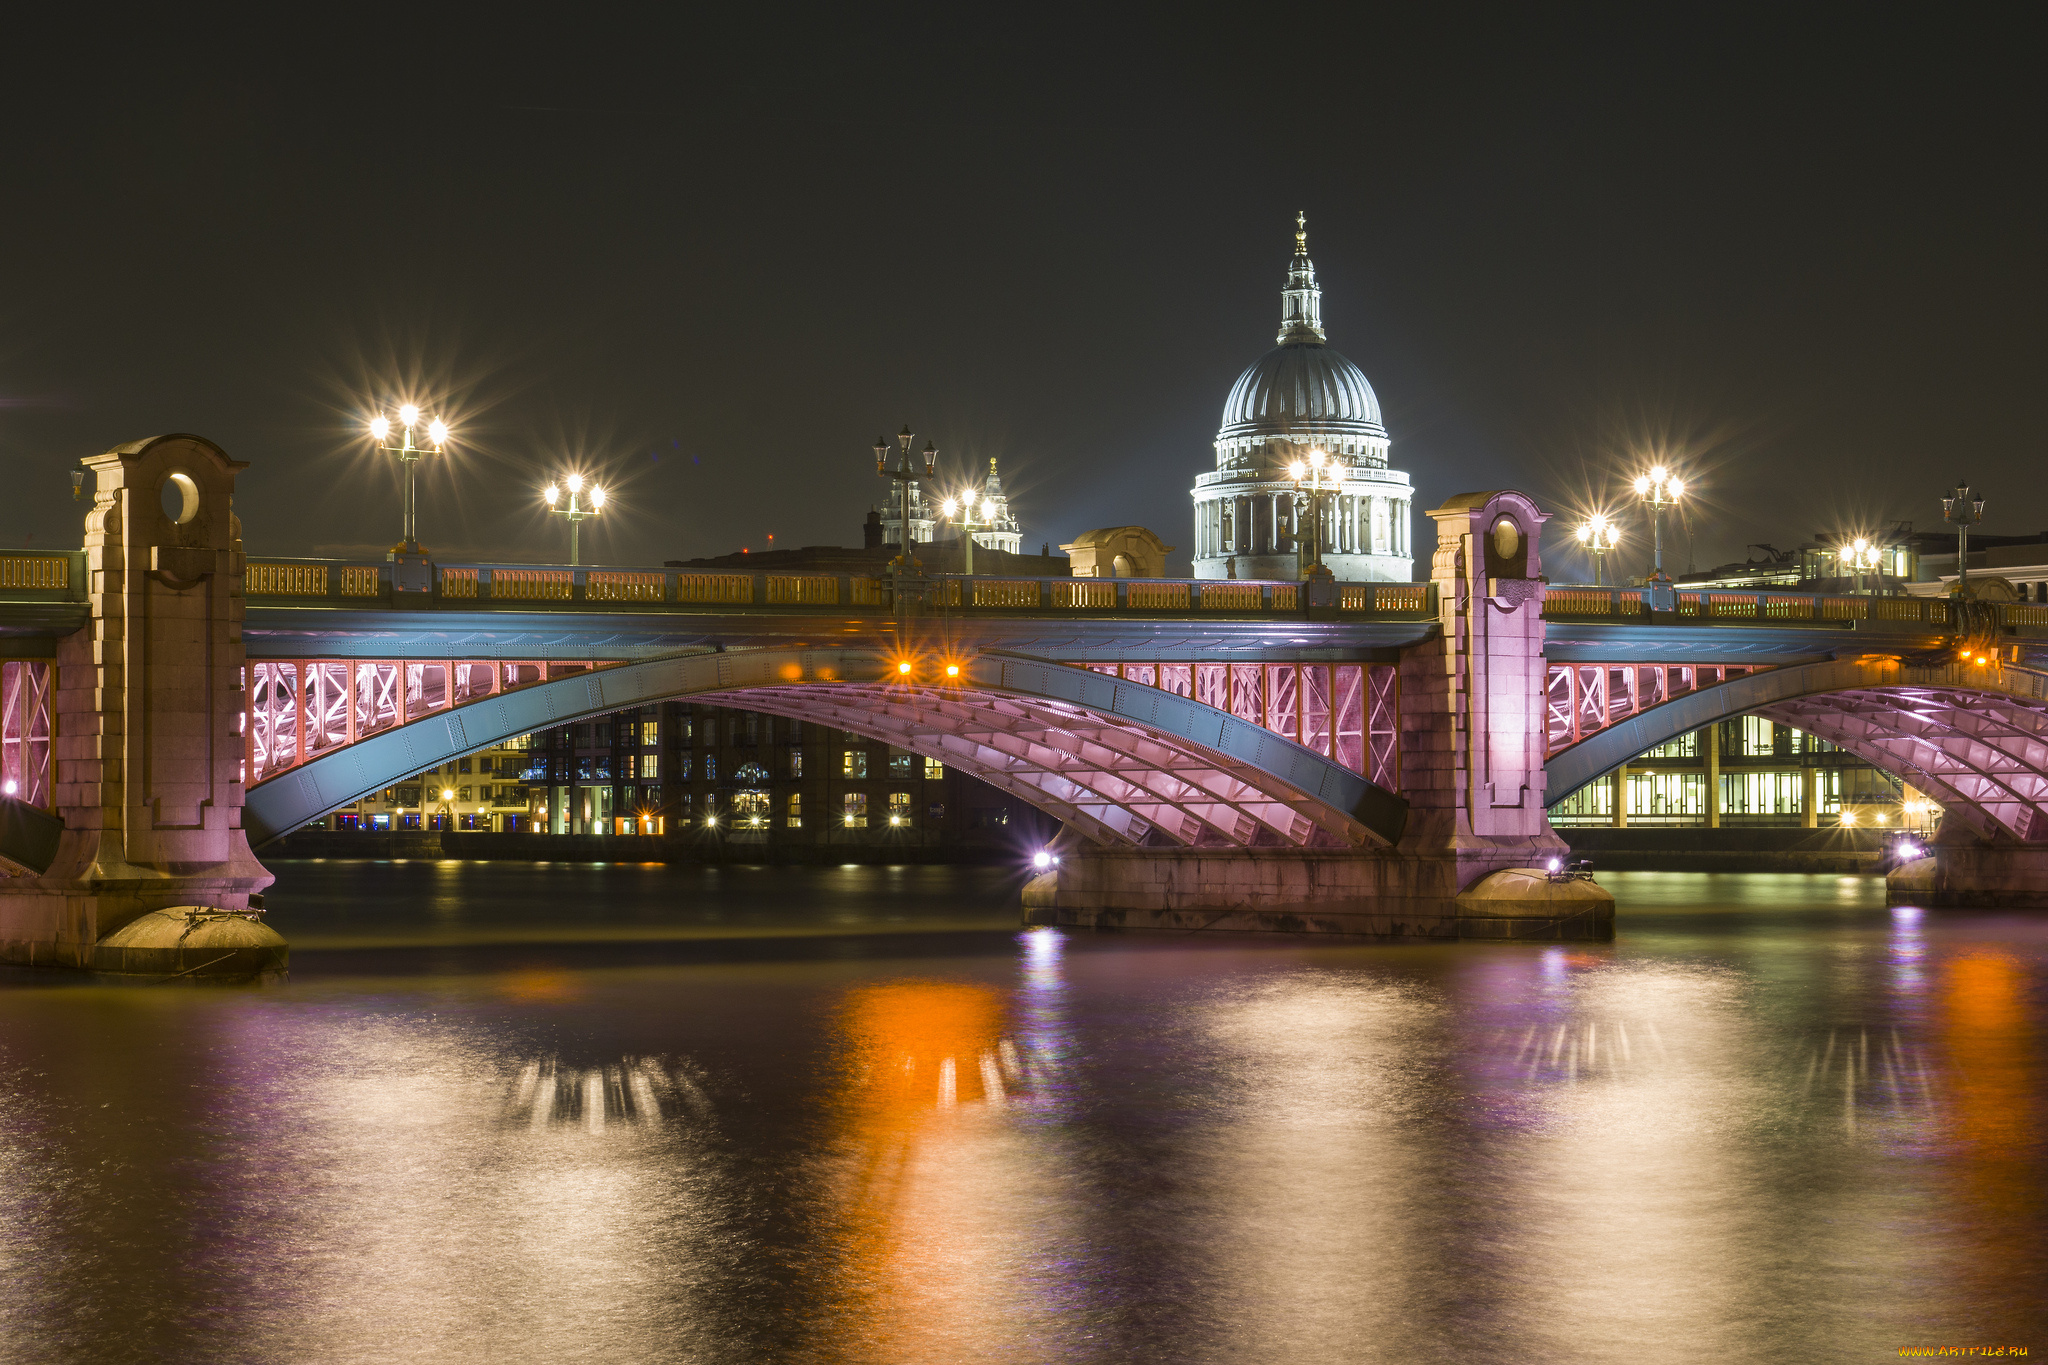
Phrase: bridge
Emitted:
{"points": [[1359, 757]]}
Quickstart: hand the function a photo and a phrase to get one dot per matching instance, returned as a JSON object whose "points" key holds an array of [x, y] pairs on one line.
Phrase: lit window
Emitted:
{"points": [[854, 763], [902, 765], [650, 733], [711, 767], [899, 808], [796, 810], [796, 762], [856, 816], [462, 795], [933, 770]]}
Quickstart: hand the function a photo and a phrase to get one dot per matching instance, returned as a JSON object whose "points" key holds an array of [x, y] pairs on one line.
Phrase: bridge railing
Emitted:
{"points": [[1632, 604], [529, 587], [43, 576]]}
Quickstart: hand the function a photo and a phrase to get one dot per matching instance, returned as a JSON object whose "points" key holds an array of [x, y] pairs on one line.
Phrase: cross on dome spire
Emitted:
{"points": [[1301, 303]]}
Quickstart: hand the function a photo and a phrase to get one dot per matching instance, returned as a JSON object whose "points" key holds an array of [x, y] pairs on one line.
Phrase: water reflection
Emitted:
{"points": [[1755, 1127], [630, 1091]]}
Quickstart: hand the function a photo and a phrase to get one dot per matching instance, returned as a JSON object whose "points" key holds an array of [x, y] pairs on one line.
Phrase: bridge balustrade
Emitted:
{"points": [[583, 588]]}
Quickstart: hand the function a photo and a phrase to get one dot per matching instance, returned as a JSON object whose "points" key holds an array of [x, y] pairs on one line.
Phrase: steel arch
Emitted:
{"points": [[1122, 762], [1975, 738]]}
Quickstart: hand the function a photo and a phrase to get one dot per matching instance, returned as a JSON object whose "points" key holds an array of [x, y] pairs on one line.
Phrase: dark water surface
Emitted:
{"points": [[646, 1113]]}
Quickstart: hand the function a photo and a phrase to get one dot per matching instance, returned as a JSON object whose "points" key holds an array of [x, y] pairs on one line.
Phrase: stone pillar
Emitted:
{"points": [[1472, 699], [149, 753], [1471, 718], [1620, 814], [1809, 798]]}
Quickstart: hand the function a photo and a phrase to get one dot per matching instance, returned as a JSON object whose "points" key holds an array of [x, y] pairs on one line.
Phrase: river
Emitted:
{"points": [[639, 1113]]}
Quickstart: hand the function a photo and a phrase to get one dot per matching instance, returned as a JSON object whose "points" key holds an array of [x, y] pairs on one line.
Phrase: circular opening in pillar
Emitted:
{"points": [[1507, 538], [180, 497]]}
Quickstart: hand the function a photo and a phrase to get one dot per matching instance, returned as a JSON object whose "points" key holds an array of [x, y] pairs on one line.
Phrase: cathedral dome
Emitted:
{"points": [[1303, 391]]}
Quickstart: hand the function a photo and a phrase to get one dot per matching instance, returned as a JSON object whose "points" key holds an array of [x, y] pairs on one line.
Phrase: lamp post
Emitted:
{"points": [[409, 452], [960, 511], [1963, 512], [1312, 473], [1599, 535], [905, 474], [1659, 489], [575, 513], [1859, 557]]}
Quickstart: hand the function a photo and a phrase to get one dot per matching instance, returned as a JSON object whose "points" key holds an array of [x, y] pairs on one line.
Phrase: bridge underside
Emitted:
{"points": [[1974, 738], [1113, 782], [1123, 763], [1984, 758]]}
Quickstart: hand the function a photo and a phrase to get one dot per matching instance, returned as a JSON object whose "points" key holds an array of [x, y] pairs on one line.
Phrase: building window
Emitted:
{"points": [[408, 796], [683, 767], [650, 733], [856, 816], [683, 806], [899, 808], [933, 770], [796, 762], [711, 767], [935, 813], [796, 810], [686, 729], [629, 766], [463, 794], [902, 765], [604, 732], [854, 763], [462, 765], [750, 810]]}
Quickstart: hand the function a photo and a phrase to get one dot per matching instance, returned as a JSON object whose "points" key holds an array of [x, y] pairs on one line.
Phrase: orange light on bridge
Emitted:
{"points": [[952, 670], [903, 667]]}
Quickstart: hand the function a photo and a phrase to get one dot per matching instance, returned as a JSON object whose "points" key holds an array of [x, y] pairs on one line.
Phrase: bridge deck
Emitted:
{"points": [[308, 608]]}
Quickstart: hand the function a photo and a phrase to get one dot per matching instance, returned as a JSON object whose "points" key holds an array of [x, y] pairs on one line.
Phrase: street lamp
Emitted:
{"points": [[1659, 489], [575, 513], [904, 474], [1599, 534], [1963, 512], [1858, 558], [1312, 497], [960, 510], [409, 452]]}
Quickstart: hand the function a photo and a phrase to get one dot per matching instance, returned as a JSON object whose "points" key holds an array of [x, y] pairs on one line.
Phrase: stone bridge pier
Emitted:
{"points": [[1471, 860], [144, 867]]}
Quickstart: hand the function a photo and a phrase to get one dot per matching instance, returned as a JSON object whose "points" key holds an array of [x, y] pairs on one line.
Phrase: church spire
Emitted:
{"points": [[1301, 303]]}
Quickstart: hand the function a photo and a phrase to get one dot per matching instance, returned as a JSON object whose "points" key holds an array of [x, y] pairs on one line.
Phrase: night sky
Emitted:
{"points": [[708, 258]]}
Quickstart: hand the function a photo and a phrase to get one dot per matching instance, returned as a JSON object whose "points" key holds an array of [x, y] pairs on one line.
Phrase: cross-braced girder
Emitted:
{"points": [[1121, 762], [1975, 738]]}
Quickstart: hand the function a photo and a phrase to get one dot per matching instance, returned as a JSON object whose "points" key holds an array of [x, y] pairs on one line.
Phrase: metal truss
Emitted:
{"points": [[300, 710], [25, 731], [1984, 757], [1116, 782], [1119, 760]]}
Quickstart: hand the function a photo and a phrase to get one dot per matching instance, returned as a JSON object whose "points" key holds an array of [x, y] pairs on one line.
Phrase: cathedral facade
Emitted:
{"points": [[1298, 398]]}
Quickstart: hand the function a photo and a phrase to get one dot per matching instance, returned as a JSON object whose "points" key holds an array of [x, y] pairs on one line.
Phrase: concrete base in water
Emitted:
{"points": [[193, 942], [1287, 891], [1974, 876], [180, 943]]}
